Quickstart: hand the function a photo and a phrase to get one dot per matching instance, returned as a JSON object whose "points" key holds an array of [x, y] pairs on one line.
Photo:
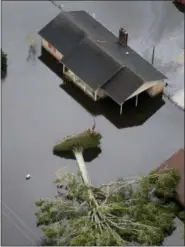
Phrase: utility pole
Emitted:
{"points": [[153, 54], [60, 6]]}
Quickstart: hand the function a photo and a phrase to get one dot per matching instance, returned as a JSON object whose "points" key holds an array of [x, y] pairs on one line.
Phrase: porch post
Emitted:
{"points": [[121, 108], [63, 69], [137, 99], [96, 92], [74, 77]]}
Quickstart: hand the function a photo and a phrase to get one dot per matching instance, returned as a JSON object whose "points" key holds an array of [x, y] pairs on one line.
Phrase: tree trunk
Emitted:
{"points": [[82, 166], [83, 169]]}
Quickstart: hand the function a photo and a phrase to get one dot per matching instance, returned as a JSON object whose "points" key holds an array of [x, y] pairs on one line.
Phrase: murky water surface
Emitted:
{"points": [[36, 112]]}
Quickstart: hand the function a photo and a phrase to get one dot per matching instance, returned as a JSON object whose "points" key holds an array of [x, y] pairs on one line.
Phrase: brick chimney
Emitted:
{"points": [[123, 36]]}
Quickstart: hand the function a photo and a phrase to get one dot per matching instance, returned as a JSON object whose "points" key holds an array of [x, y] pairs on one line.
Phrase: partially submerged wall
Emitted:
{"points": [[52, 50], [152, 88], [156, 89], [176, 161]]}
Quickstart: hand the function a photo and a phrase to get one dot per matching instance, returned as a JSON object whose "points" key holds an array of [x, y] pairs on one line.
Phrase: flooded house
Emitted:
{"points": [[97, 61]]}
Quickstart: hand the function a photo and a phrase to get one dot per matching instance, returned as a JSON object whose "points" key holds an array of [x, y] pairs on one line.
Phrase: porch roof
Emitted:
{"points": [[122, 85]]}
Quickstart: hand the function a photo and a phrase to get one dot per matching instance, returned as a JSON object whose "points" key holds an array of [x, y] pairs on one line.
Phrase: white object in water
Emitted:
{"points": [[127, 52], [28, 176]]}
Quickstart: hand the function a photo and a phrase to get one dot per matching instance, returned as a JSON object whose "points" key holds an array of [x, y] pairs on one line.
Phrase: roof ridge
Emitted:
{"points": [[117, 72], [94, 41], [70, 18], [74, 48], [107, 54], [83, 29], [87, 36]]}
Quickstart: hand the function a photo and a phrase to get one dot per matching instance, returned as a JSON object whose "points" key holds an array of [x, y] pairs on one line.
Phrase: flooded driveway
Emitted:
{"points": [[37, 112]]}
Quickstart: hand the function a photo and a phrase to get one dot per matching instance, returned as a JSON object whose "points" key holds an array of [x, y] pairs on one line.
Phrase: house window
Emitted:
{"points": [[49, 45]]}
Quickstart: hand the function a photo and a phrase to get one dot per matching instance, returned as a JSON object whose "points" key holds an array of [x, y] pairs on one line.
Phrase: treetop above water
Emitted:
{"points": [[85, 140]]}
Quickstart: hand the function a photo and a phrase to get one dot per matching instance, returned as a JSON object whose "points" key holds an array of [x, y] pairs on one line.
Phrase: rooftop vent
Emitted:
{"points": [[123, 36]]}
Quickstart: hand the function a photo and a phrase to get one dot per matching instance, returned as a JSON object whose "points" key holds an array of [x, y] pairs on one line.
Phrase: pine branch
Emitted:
{"points": [[112, 214]]}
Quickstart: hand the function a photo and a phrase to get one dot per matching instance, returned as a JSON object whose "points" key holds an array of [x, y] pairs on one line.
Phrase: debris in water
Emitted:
{"points": [[32, 53], [28, 176]]}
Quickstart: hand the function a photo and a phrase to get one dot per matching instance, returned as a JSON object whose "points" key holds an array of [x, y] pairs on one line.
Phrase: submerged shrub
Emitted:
{"points": [[3, 64]]}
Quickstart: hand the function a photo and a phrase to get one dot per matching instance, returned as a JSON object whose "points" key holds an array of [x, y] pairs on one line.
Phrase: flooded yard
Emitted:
{"points": [[37, 111]]}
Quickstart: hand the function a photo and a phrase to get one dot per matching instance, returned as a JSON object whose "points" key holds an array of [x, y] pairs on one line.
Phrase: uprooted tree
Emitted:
{"points": [[136, 210], [3, 64]]}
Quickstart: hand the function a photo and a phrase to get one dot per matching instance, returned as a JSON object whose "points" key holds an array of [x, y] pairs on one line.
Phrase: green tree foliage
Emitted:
{"points": [[129, 211], [76, 144], [181, 215], [182, 230], [3, 64], [83, 140]]}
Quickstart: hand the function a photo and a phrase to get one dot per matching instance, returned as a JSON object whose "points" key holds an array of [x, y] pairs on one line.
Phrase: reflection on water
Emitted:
{"points": [[131, 115], [32, 53], [51, 63]]}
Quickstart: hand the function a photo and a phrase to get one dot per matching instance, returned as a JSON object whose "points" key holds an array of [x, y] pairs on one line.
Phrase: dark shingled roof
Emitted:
{"points": [[93, 53], [62, 33], [116, 89], [67, 29], [109, 43], [91, 64]]}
